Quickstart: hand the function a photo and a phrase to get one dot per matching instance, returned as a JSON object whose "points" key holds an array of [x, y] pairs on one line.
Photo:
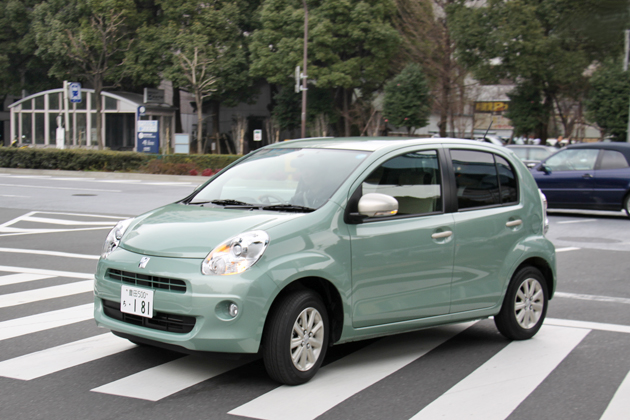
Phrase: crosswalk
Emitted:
{"points": [[514, 371]]}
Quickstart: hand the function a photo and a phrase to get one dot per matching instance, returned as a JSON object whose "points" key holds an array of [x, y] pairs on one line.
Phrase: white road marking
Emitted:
{"points": [[64, 222], [619, 406], [595, 298], [59, 188], [570, 248], [342, 379], [30, 296], [496, 388], [20, 278], [51, 253], [45, 321], [62, 357], [164, 380], [51, 273], [588, 325]]}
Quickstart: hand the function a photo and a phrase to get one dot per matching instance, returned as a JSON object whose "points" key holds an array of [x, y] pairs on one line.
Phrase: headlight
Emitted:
{"points": [[236, 254], [114, 236]]}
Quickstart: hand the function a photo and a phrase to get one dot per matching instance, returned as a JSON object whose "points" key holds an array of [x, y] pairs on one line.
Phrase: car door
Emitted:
{"points": [[489, 223], [612, 177], [402, 265], [567, 178]]}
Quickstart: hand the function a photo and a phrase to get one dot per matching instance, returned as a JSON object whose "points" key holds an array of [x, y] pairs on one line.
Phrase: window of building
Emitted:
{"points": [[53, 101]]}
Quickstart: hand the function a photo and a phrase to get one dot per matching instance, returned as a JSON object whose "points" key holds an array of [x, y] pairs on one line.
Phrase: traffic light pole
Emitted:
{"points": [[304, 76]]}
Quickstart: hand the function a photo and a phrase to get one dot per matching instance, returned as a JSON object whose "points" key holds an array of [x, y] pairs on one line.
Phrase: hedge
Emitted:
{"points": [[109, 161]]}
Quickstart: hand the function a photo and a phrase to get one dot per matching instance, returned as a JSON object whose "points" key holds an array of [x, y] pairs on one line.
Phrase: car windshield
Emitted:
{"points": [[284, 179]]}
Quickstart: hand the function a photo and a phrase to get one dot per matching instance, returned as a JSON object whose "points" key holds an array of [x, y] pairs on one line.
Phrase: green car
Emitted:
{"points": [[305, 244]]}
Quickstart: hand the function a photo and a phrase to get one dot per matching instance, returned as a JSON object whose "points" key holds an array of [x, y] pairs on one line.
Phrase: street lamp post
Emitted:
{"points": [[304, 76]]}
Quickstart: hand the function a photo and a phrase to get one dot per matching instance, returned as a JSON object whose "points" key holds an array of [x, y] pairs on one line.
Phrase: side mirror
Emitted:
{"points": [[374, 204], [544, 168]]}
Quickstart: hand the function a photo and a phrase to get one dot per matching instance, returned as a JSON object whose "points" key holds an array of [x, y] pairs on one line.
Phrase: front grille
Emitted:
{"points": [[154, 282], [160, 321]]}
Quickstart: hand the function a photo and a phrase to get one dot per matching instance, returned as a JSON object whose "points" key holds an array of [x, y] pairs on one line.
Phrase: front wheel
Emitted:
{"points": [[296, 338], [524, 306], [626, 204]]}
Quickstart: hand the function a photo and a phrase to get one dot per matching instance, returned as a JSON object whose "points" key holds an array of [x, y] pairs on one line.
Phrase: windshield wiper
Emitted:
{"points": [[289, 207], [226, 203]]}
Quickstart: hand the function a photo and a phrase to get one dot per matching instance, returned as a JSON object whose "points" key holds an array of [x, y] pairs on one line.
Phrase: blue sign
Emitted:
{"points": [[142, 110], [75, 92], [148, 137]]}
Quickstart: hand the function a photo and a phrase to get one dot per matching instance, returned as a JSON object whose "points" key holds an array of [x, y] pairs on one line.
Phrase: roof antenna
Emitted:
{"points": [[484, 136]]}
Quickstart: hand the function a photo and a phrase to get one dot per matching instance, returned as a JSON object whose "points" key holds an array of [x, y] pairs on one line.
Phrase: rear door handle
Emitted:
{"points": [[514, 223], [587, 176], [442, 235]]}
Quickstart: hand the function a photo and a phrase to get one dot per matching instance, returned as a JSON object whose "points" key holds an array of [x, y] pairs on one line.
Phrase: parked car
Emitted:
{"points": [[304, 244], [593, 176], [531, 155], [492, 139]]}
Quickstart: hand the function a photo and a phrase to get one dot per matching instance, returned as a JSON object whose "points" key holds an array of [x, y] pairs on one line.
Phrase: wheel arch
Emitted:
{"points": [[545, 269], [330, 297]]}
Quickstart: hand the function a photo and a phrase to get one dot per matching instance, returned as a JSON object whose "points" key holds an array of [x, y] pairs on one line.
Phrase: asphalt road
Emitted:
{"points": [[56, 364]]}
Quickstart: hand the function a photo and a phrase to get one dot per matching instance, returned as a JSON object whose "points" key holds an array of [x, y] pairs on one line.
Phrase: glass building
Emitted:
{"points": [[34, 119]]}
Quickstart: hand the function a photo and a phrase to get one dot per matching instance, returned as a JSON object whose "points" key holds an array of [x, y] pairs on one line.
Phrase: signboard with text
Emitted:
{"points": [[491, 112], [148, 136]]}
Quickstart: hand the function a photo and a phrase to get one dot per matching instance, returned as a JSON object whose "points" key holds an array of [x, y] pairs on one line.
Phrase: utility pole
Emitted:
{"points": [[304, 76], [625, 68]]}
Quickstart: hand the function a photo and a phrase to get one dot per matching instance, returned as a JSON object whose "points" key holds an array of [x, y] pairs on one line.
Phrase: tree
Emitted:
{"points": [[211, 35], [350, 45], [407, 100], [87, 40], [425, 30], [526, 111], [20, 69], [607, 103], [537, 43]]}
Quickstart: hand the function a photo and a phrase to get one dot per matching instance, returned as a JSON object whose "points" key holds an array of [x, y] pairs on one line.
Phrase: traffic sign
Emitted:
{"points": [[75, 92]]}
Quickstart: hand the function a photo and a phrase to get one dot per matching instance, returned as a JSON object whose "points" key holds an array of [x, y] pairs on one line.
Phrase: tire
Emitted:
{"points": [[524, 306], [296, 338], [626, 204]]}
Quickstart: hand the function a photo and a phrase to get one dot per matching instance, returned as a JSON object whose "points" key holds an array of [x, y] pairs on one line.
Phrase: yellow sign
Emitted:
{"points": [[496, 106]]}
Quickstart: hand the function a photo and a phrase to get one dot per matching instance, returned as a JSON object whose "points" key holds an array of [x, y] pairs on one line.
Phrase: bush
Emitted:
{"points": [[109, 161]]}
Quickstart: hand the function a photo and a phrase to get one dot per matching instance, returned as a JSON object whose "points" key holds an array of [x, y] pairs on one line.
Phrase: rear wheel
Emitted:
{"points": [[524, 306], [296, 338]]}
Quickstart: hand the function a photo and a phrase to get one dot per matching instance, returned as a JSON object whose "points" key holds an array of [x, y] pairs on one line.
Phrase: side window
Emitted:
{"points": [[507, 181], [483, 179], [413, 179], [613, 160], [573, 160]]}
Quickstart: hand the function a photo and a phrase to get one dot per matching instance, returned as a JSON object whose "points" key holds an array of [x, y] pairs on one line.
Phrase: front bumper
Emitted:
{"points": [[190, 309]]}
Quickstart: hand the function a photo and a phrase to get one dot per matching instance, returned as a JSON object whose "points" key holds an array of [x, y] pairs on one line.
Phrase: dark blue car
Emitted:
{"points": [[592, 176]]}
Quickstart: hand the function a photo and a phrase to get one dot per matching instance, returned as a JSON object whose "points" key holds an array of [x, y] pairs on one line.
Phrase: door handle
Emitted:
{"points": [[514, 223], [442, 235], [587, 176]]}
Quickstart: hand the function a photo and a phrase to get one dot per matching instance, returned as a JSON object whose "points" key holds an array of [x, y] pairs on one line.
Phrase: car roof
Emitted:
{"points": [[624, 148], [372, 144]]}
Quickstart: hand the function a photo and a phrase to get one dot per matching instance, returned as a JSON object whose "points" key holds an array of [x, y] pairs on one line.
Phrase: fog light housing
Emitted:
{"points": [[233, 310]]}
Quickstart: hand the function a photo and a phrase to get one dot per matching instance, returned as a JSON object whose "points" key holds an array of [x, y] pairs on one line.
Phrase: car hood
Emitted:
{"points": [[185, 231]]}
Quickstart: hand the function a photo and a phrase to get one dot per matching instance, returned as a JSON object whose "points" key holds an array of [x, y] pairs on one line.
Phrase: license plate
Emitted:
{"points": [[134, 300]]}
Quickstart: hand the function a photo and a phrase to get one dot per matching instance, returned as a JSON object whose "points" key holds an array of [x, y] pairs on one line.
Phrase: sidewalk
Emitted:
{"points": [[105, 175]]}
